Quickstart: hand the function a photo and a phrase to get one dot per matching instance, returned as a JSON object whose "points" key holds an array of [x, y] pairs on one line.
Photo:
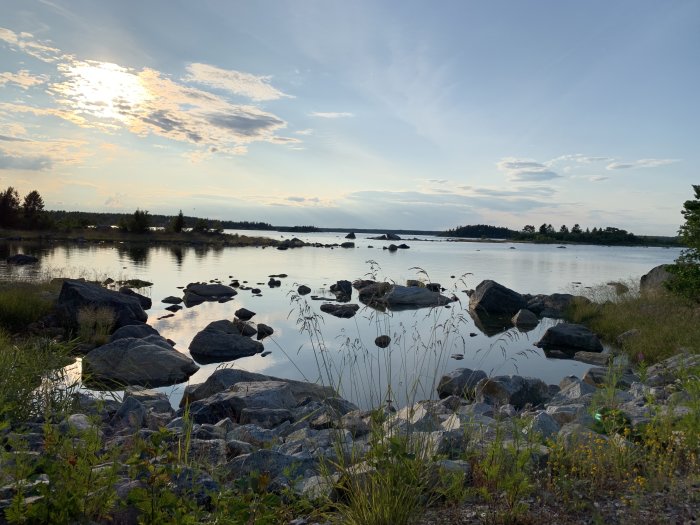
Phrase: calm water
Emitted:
{"points": [[344, 351]]}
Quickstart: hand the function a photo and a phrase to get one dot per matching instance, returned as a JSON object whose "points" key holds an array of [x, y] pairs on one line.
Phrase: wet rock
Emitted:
{"points": [[21, 259], [408, 297], [264, 331], [350, 235], [343, 311], [222, 341], [149, 361], [244, 314], [569, 338], [382, 341], [76, 295], [494, 298], [303, 290], [171, 299], [173, 308], [347, 245], [145, 302], [342, 290], [138, 331], [245, 329], [525, 319]]}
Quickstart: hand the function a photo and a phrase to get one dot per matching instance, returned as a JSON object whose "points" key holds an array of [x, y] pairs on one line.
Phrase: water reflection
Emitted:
{"points": [[178, 255], [138, 254]]}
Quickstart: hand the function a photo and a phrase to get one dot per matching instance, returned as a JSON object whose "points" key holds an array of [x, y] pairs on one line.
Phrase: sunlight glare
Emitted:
{"points": [[105, 90]]}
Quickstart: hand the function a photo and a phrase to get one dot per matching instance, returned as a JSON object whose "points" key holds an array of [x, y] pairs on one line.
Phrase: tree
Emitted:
{"points": [[563, 229], [529, 229], [9, 207], [139, 222], [33, 209], [686, 270], [178, 223], [576, 229], [543, 229], [201, 226]]}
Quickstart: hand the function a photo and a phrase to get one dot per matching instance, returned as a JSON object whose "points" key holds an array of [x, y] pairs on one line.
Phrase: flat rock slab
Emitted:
{"points": [[570, 338], [222, 341], [407, 297], [150, 361]]}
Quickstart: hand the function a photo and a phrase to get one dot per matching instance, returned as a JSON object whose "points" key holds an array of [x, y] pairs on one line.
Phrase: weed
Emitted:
{"points": [[95, 324]]}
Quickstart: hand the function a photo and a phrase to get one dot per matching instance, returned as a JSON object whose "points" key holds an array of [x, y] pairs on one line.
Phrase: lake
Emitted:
{"points": [[342, 351]]}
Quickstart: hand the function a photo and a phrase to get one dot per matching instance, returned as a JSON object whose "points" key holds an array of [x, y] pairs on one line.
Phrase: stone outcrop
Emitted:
{"points": [[76, 295], [653, 281]]}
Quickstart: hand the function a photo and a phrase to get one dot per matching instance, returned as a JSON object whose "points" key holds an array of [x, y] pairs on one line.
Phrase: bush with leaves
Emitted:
{"points": [[686, 271]]}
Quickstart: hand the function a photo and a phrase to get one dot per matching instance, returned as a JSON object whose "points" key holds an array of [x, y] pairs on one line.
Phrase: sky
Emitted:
{"points": [[367, 114]]}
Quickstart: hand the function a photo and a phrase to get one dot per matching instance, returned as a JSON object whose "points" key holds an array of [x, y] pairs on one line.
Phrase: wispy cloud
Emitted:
{"points": [[27, 44], [322, 114], [598, 178], [22, 78], [526, 170], [641, 163], [237, 82]]}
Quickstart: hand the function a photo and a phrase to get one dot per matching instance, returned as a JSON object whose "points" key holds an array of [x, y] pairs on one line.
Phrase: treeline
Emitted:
{"points": [[27, 213], [480, 231], [607, 235], [546, 233]]}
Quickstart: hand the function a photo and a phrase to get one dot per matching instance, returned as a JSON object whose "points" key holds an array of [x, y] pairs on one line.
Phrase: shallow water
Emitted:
{"points": [[342, 351]]}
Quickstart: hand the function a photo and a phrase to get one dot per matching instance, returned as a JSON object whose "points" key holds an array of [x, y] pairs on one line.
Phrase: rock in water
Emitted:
{"points": [[76, 295], [222, 341], [382, 341], [146, 302], [569, 338], [493, 298], [344, 311], [244, 314], [525, 319], [150, 361], [21, 259]]}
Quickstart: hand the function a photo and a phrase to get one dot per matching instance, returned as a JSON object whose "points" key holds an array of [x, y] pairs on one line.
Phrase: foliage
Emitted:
{"points": [[33, 381], [139, 222], [33, 209], [9, 207], [95, 324], [686, 270], [178, 223], [22, 304], [480, 231], [663, 324]]}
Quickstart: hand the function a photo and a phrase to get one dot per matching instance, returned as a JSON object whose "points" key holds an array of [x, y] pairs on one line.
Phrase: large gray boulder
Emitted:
{"points": [[222, 341], [653, 281], [224, 378], [231, 403], [461, 382], [569, 339], [76, 295], [150, 361], [512, 390], [555, 305], [493, 298]]}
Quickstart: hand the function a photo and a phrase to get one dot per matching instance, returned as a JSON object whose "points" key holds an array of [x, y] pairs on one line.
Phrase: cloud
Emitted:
{"points": [[305, 132], [237, 82], [14, 162], [438, 181], [321, 114], [26, 43], [598, 178], [641, 163], [22, 78], [526, 170], [12, 139]]}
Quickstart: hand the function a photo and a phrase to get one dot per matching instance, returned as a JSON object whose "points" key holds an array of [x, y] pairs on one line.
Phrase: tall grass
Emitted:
{"points": [[22, 304], [664, 323]]}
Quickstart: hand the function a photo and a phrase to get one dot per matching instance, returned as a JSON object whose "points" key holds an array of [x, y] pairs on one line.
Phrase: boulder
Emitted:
{"points": [[210, 290], [222, 341], [653, 281], [350, 235], [461, 382], [593, 358], [232, 402], [494, 298], [512, 390], [245, 328], [171, 299], [342, 290], [408, 297], [525, 319], [382, 341], [569, 339], [224, 378], [343, 311], [244, 314], [264, 331], [137, 331], [145, 302], [21, 259], [270, 463], [554, 306], [149, 361], [265, 417], [348, 244], [303, 290], [76, 295]]}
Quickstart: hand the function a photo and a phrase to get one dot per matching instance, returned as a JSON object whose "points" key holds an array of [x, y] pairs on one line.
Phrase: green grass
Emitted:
{"points": [[22, 304], [666, 323]]}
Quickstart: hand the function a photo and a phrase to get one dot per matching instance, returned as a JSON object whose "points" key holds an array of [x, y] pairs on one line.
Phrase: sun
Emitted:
{"points": [[104, 90]]}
